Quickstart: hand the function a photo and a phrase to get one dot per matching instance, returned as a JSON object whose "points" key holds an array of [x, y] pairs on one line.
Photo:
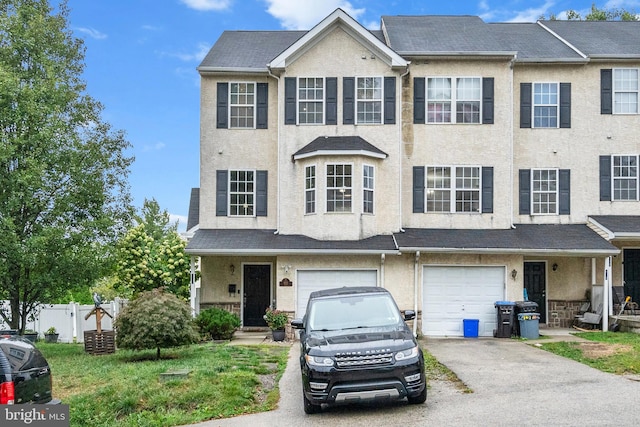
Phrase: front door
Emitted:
{"points": [[257, 293], [535, 284], [632, 274]]}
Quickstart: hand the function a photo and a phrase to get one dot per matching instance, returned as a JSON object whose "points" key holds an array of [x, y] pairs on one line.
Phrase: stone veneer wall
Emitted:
{"points": [[561, 313]]}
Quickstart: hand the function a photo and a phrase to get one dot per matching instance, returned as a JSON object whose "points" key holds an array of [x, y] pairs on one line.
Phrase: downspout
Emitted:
{"points": [[278, 155], [400, 153], [382, 257], [511, 148], [606, 289], [415, 293]]}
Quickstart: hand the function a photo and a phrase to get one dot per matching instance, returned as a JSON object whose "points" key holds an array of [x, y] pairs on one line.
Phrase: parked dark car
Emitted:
{"points": [[356, 347], [25, 375]]}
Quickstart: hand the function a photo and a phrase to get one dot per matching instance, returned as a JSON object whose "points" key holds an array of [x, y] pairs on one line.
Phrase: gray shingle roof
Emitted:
{"points": [[339, 143], [250, 241], [619, 223], [600, 38], [532, 42], [524, 238], [193, 217]]}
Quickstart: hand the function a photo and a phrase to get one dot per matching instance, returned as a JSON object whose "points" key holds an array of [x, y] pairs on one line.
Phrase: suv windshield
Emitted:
{"points": [[355, 311]]}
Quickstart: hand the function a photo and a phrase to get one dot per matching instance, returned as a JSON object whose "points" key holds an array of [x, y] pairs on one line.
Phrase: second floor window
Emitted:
{"points": [[367, 188], [310, 190], [369, 100], [625, 90], [241, 193], [242, 105], [545, 105], [453, 189], [311, 100], [339, 187], [544, 191], [453, 100], [625, 177]]}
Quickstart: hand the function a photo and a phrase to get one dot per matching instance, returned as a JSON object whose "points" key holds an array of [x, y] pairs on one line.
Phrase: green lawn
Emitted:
{"points": [[614, 352], [124, 389]]}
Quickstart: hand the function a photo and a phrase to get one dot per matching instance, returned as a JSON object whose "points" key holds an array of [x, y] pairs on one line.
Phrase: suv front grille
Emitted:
{"points": [[353, 361]]}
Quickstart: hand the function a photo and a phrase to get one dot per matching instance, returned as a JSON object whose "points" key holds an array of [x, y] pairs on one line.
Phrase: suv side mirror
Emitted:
{"points": [[409, 315], [297, 324]]}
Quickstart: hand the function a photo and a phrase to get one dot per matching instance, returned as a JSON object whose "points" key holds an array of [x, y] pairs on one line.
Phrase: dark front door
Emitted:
{"points": [[257, 295], [631, 269], [535, 284]]}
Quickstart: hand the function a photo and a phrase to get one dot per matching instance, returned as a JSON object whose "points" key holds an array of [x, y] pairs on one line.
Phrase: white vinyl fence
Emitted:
{"points": [[69, 319]]}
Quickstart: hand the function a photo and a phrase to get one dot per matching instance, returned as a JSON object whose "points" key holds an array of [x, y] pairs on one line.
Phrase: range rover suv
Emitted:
{"points": [[356, 347], [25, 376]]}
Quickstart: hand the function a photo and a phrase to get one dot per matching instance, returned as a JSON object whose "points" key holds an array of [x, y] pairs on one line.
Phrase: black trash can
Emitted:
{"points": [[505, 311], [524, 307]]}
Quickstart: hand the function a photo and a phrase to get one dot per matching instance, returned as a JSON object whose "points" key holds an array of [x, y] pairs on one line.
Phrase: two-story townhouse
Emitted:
{"points": [[454, 162]]}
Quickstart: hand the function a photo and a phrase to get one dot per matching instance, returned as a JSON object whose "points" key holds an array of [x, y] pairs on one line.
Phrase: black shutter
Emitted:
{"points": [[222, 111], [564, 185], [419, 101], [525, 105], [525, 191], [262, 105], [331, 101], [348, 100], [261, 193], [418, 189], [487, 190], [222, 177], [289, 100], [605, 178], [565, 105], [389, 100], [606, 91], [487, 101]]}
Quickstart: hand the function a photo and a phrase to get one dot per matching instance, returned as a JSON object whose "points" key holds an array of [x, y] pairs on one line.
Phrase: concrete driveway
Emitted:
{"points": [[514, 384]]}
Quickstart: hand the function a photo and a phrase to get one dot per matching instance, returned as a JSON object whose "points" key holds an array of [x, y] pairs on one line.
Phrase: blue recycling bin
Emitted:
{"points": [[470, 328]]}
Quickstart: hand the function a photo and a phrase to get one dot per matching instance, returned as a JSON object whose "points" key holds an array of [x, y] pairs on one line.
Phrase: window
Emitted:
{"points": [[625, 91], [242, 105], [367, 188], [310, 190], [625, 177], [544, 191], [241, 193], [339, 187], [369, 100], [311, 100], [459, 104], [464, 188], [545, 105]]}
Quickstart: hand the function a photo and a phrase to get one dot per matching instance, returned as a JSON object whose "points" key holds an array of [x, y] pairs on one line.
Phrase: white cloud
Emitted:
{"points": [[156, 147], [197, 55], [534, 13], [304, 14], [180, 219], [92, 32], [207, 4]]}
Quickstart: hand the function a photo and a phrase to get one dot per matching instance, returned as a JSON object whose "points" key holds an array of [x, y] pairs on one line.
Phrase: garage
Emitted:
{"points": [[316, 280], [451, 294]]}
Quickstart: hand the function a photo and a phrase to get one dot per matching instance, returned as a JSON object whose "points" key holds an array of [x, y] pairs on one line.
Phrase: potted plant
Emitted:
{"points": [[51, 335], [276, 320], [31, 335]]}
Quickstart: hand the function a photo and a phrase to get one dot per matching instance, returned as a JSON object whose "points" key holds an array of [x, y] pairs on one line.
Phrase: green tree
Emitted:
{"points": [[597, 14], [155, 319], [64, 197], [152, 255]]}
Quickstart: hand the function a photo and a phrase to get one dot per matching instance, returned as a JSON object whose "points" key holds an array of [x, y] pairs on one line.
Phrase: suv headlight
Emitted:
{"points": [[408, 353], [319, 360]]}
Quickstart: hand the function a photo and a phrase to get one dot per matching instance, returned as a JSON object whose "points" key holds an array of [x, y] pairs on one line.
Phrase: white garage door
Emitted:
{"points": [[451, 294], [316, 280]]}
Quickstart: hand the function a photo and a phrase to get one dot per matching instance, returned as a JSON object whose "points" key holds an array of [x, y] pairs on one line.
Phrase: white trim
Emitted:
{"points": [[254, 105], [306, 190], [452, 100], [322, 101], [557, 192], [357, 100], [365, 153], [372, 189], [533, 105], [613, 91], [614, 178], [326, 187], [229, 214], [452, 189], [553, 33]]}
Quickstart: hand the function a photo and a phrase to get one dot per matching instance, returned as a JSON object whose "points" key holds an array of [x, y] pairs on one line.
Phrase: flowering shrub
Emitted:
{"points": [[276, 319]]}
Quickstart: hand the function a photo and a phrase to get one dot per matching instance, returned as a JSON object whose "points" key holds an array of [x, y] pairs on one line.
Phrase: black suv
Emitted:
{"points": [[356, 347], [25, 376]]}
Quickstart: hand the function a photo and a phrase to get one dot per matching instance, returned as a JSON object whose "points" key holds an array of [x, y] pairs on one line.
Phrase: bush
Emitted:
{"points": [[218, 323], [155, 319]]}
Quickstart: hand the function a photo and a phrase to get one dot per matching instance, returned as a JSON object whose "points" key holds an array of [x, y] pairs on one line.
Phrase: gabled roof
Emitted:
{"points": [[600, 39], [193, 218], [339, 18], [618, 226], [339, 146]]}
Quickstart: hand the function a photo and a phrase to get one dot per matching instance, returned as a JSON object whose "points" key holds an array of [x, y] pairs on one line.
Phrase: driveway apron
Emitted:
{"points": [[514, 384]]}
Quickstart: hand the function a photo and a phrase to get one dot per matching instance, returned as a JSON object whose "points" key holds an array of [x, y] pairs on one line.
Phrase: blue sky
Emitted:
{"points": [[141, 59]]}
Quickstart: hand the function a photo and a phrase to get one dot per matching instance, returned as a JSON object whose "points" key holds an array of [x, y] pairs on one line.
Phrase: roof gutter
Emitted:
{"points": [[232, 70], [289, 251], [517, 251], [278, 155]]}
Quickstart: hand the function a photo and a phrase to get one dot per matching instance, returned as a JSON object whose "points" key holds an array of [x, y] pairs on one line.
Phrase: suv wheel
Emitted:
{"points": [[309, 408], [421, 398]]}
